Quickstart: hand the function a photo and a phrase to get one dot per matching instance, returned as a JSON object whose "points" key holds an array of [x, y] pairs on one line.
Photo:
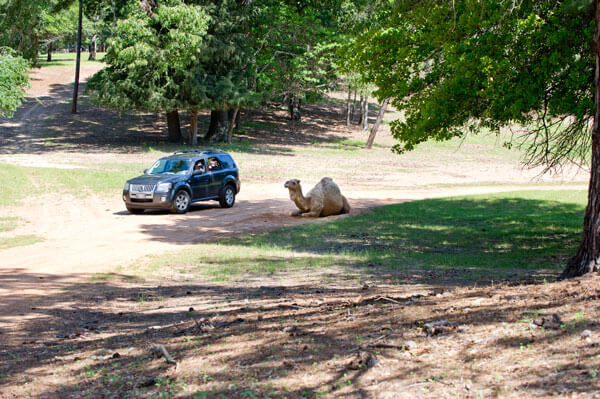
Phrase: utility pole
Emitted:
{"points": [[78, 61]]}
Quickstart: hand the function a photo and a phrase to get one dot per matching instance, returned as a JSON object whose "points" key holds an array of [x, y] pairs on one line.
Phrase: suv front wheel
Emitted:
{"points": [[227, 196], [181, 202]]}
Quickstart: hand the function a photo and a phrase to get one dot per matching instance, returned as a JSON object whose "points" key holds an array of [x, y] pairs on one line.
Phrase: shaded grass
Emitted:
{"points": [[484, 237], [19, 182], [68, 59]]}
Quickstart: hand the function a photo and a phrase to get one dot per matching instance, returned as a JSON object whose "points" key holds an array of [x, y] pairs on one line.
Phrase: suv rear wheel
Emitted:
{"points": [[227, 196], [181, 202]]}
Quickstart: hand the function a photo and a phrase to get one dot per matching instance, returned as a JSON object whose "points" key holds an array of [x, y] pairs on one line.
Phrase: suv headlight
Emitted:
{"points": [[163, 187], [126, 188]]}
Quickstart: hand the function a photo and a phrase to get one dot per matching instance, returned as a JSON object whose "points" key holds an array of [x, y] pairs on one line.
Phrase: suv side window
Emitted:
{"points": [[226, 162], [213, 164]]}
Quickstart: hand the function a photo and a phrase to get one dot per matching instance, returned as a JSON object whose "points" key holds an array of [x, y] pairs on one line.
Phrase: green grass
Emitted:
{"points": [[68, 59], [485, 237], [8, 224], [19, 240], [19, 182]]}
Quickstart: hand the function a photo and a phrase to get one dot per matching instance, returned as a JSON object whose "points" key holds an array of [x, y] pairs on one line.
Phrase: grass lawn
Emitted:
{"points": [[19, 182], [474, 238], [68, 59], [8, 224]]}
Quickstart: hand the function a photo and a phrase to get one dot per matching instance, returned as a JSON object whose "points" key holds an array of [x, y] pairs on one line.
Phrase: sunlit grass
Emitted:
{"points": [[476, 237], [19, 182], [68, 59]]}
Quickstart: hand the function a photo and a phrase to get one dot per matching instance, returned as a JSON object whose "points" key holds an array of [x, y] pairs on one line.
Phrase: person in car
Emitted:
{"points": [[213, 164], [199, 166]]}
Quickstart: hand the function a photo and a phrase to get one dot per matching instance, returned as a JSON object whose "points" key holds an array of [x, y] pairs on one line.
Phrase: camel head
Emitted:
{"points": [[293, 185]]}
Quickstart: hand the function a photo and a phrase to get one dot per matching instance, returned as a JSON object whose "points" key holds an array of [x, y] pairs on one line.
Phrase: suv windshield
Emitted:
{"points": [[173, 166]]}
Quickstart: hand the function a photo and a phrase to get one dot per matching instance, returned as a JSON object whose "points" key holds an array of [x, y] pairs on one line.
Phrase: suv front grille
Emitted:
{"points": [[142, 188]]}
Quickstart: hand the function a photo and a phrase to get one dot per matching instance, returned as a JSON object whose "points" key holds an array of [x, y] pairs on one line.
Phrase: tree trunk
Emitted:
{"points": [[587, 258], [219, 126], [214, 125], [193, 128], [294, 105], [348, 107], [78, 59], [93, 48], [353, 105], [366, 113], [49, 59], [375, 127], [238, 120], [231, 124], [173, 126]]}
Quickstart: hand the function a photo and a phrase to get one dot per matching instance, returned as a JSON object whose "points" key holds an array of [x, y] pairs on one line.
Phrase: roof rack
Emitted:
{"points": [[197, 152]]}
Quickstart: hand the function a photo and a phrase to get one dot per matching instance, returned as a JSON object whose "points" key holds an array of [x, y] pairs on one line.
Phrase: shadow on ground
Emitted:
{"points": [[46, 124], [347, 330]]}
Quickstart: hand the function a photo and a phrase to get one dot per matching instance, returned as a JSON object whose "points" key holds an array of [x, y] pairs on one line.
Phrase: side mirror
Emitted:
{"points": [[145, 171]]}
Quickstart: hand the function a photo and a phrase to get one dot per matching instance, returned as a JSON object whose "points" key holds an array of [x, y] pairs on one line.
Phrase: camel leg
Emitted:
{"points": [[297, 213], [316, 207]]}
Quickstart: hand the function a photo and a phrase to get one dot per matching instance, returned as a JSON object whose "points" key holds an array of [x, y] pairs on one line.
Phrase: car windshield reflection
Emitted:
{"points": [[170, 166]]}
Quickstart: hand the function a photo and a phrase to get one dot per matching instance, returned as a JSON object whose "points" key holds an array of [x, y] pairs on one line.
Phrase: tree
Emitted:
{"points": [[459, 66], [14, 78], [153, 62]]}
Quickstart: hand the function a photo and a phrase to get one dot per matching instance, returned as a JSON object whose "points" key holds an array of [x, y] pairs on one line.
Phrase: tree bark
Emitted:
{"points": [[366, 113], [238, 120], [78, 59], [348, 107], [231, 124], [375, 127], [49, 59], [173, 126], [193, 128], [93, 48], [294, 105], [219, 126], [587, 258]]}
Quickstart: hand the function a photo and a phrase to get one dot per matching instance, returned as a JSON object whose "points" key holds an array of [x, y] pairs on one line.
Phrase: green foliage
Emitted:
{"points": [[152, 59], [455, 66], [14, 78]]}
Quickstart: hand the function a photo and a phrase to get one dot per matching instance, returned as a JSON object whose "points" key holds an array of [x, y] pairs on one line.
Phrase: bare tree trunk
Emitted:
{"points": [[587, 258], [193, 128], [49, 59], [375, 127], [353, 105], [231, 124], [348, 107], [366, 113], [78, 61], [219, 126], [93, 48], [173, 126], [238, 120], [294, 109]]}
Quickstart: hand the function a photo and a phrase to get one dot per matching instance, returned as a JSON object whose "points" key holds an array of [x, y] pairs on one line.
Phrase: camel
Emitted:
{"points": [[325, 199]]}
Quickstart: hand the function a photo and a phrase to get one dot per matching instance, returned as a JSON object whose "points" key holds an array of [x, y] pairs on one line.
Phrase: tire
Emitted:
{"points": [[181, 202], [227, 196], [135, 211]]}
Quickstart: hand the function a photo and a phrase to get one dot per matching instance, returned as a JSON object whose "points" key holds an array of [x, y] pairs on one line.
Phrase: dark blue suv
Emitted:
{"points": [[175, 181]]}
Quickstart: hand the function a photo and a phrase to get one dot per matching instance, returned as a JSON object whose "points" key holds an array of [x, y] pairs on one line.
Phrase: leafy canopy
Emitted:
{"points": [[455, 66], [14, 78], [151, 58]]}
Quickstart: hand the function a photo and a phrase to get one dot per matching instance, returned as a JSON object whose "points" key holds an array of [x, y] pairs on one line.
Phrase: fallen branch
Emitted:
{"points": [[161, 350]]}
